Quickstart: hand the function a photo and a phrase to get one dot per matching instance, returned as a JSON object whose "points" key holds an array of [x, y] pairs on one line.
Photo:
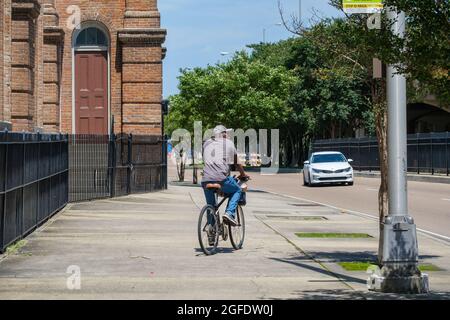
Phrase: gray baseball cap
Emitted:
{"points": [[221, 129]]}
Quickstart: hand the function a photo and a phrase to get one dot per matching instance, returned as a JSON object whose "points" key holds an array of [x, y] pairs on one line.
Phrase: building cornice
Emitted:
{"points": [[53, 33], [30, 8], [145, 35], [142, 14]]}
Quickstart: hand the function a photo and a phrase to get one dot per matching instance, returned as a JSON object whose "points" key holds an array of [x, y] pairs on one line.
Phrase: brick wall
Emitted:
{"points": [[24, 64], [38, 81], [5, 62]]}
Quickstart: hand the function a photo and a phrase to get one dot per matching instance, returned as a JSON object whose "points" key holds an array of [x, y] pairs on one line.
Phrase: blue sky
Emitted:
{"points": [[199, 30]]}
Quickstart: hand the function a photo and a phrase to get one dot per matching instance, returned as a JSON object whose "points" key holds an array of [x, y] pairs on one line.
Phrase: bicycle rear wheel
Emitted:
{"points": [[237, 233], [208, 233]]}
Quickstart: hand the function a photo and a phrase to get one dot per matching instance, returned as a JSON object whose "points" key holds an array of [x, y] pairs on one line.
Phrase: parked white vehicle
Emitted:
{"points": [[327, 167]]}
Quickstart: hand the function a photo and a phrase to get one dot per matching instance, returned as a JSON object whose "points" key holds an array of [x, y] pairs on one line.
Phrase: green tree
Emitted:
{"points": [[239, 94], [327, 101]]}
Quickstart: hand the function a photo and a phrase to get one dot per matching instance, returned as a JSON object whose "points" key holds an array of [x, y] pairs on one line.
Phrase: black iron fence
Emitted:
{"points": [[33, 182], [428, 153], [115, 165], [41, 173]]}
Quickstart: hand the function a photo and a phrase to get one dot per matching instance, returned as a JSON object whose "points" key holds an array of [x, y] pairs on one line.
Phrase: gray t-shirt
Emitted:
{"points": [[218, 155]]}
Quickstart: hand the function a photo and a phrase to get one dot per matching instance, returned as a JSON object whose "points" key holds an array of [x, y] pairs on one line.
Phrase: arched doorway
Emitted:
{"points": [[91, 80]]}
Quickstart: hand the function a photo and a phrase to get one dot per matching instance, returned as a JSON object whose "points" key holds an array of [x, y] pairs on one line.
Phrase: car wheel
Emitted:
{"points": [[350, 183], [304, 181]]}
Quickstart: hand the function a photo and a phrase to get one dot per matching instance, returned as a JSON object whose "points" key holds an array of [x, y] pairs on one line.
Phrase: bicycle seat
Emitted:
{"points": [[213, 186]]}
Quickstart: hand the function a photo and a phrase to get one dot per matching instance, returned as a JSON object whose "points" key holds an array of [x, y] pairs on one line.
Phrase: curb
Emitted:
{"points": [[417, 178]]}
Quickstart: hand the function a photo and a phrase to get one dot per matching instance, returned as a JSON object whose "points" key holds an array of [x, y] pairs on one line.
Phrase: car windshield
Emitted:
{"points": [[324, 158]]}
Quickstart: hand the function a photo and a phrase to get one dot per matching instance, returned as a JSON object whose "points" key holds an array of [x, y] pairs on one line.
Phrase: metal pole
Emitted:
{"points": [[130, 164], [418, 156], [399, 250], [432, 158], [446, 153], [397, 153], [264, 35], [299, 11], [5, 194]]}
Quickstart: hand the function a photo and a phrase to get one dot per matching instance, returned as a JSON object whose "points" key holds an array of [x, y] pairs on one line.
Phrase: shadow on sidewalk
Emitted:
{"points": [[296, 262], [219, 251], [340, 294], [360, 256]]}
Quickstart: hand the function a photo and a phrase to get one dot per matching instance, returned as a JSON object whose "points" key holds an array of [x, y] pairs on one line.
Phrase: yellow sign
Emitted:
{"points": [[362, 6]]}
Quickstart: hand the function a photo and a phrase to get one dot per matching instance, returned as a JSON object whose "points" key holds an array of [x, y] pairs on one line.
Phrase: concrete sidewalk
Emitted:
{"points": [[146, 247]]}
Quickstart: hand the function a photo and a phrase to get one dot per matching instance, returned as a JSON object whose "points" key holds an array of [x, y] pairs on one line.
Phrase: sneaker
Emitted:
{"points": [[228, 218]]}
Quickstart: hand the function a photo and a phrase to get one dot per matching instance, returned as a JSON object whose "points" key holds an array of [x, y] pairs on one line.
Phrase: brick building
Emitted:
{"points": [[79, 66]]}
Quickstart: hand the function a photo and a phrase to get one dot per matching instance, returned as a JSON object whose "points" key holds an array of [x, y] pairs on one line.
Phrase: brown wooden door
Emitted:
{"points": [[91, 93]]}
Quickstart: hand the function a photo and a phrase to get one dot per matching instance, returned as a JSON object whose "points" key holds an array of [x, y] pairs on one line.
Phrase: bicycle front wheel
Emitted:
{"points": [[208, 230], [237, 233]]}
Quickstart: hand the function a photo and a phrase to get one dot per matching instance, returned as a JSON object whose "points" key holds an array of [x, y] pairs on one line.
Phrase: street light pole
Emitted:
{"points": [[278, 24], [399, 248]]}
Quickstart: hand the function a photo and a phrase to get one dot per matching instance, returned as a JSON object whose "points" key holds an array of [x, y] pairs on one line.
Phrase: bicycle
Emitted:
{"points": [[209, 232]]}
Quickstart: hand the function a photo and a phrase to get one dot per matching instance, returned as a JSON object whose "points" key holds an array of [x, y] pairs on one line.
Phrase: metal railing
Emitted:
{"points": [[139, 164], [33, 182], [428, 153], [115, 165]]}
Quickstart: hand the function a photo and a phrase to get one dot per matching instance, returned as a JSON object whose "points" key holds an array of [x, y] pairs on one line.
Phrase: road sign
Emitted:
{"points": [[362, 6]]}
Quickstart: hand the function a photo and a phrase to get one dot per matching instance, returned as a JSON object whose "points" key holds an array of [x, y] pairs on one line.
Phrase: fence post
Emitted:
{"points": [[418, 157], [359, 154], [5, 186], [66, 167], [130, 165], [446, 153], [19, 220], [163, 163], [38, 202], [432, 158], [112, 168]]}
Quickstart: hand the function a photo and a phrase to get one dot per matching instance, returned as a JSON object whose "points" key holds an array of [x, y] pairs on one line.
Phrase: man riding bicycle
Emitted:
{"points": [[218, 154]]}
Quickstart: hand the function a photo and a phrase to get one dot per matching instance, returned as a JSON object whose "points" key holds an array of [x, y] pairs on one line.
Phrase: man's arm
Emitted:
{"points": [[239, 167]]}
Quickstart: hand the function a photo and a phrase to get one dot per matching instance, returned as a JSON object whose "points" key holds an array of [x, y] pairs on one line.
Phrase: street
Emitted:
{"points": [[429, 203]]}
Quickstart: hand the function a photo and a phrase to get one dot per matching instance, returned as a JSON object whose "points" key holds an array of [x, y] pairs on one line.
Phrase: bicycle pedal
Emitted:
{"points": [[225, 234]]}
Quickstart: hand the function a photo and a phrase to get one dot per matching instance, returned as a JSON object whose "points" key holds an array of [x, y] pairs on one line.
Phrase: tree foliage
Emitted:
{"points": [[242, 93]]}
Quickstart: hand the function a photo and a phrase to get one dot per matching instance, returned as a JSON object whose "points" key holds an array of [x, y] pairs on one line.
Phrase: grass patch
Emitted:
{"points": [[364, 265], [357, 265], [332, 235], [300, 218], [429, 267], [313, 218], [14, 248]]}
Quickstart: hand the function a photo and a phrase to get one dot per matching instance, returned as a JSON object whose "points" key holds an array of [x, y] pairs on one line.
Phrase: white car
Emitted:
{"points": [[327, 167]]}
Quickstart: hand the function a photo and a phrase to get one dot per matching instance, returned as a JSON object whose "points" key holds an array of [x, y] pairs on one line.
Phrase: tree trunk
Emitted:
{"points": [[181, 166], [294, 153], [380, 110]]}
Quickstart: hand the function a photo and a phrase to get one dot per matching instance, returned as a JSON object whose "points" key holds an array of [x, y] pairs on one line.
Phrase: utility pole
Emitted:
{"points": [[299, 11], [278, 24], [400, 254]]}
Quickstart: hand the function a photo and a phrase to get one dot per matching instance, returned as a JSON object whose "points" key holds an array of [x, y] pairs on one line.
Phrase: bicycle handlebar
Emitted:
{"points": [[243, 179]]}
